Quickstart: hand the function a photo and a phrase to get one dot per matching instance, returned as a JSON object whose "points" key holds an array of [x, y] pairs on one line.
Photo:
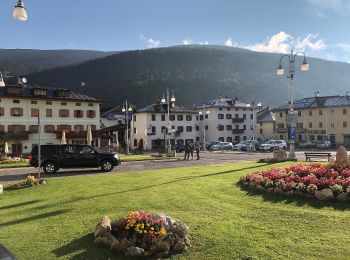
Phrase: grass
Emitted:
{"points": [[24, 163], [226, 222]]}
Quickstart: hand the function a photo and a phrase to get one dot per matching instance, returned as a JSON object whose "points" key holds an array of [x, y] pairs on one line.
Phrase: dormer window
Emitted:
{"points": [[13, 90], [40, 92], [62, 93]]}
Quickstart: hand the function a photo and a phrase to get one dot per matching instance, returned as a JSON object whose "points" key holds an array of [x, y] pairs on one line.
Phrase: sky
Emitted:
{"points": [[318, 27]]}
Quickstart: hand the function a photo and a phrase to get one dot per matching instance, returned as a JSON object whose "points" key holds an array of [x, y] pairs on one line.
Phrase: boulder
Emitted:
{"points": [[279, 191], [1, 188], [260, 188], [342, 158], [179, 247], [103, 227], [134, 251], [324, 194], [280, 155], [342, 197], [123, 245]]}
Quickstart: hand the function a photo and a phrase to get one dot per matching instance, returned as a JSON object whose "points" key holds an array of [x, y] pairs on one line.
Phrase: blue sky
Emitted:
{"points": [[319, 27]]}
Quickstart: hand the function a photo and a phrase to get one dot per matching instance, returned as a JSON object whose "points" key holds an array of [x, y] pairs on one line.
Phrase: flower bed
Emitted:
{"points": [[320, 181], [29, 182], [143, 234]]}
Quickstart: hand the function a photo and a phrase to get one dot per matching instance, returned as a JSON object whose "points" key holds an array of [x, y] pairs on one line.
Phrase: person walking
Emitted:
{"points": [[197, 147], [191, 150], [140, 145], [187, 151]]}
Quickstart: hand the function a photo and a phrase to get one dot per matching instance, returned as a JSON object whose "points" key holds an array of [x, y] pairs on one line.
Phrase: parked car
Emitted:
{"points": [[54, 157], [323, 144], [222, 146], [259, 143], [208, 145], [306, 145], [250, 144], [273, 145], [239, 146]]}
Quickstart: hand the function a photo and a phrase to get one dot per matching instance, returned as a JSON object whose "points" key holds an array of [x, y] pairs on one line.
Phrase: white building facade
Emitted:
{"points": [[59, 109]]}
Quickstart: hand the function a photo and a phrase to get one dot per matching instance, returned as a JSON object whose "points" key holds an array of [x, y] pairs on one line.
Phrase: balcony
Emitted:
{"points": [[238, 131], [82, 134], [281, 130], [14, 136], [237, 120]]}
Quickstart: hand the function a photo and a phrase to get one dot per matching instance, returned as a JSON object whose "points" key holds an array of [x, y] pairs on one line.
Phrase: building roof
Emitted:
{"points": [[317, 102], [163, 108], [225, 102], [265, 115], [27, 92]]}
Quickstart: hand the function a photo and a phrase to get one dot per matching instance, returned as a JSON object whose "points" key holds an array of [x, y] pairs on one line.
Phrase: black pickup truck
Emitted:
{"points": [[54, 157]]}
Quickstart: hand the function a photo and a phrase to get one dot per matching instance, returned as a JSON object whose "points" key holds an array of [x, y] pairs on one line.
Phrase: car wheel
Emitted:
{"points": [[106, 166], [284, 147], [50, 167]]}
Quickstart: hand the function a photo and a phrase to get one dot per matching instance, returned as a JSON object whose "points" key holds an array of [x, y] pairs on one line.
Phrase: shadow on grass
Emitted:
{"points": [[20, 204], [298, 201], [85, 249], [36, 217]]}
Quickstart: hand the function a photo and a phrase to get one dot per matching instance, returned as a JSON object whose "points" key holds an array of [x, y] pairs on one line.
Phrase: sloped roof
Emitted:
{"points": [[160, 108], [265, 115]]}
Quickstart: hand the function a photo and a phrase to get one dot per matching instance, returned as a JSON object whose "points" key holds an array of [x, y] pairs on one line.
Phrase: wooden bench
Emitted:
{"points": [[317, 155]]}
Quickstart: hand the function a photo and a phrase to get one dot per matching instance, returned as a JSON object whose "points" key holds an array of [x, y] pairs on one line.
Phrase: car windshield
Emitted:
{"points": [[270, 142]]}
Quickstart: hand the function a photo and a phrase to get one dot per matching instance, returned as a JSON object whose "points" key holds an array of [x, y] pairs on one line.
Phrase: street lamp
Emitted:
{"points": [[292, 116], [20, 12], [204, 125], [127, 109], [168, 101]]}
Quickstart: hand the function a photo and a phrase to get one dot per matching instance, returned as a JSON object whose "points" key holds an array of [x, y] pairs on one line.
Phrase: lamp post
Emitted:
{"points": [[169, 101], [127, 108], [20, 12], [204, 125], [292, 116]]}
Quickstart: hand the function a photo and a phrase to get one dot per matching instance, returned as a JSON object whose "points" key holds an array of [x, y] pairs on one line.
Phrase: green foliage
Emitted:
{"points": [[225, 221]]}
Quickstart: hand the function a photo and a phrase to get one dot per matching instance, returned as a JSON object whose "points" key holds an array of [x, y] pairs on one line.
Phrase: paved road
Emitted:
{"points": [[207, 158]]}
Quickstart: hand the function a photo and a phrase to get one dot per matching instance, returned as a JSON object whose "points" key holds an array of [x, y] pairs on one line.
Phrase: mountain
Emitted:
{"points": [[25, 61], [196, 74]]}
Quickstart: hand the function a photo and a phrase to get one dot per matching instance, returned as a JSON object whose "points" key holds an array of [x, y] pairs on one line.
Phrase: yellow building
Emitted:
{"points": [[319, 119], [265, 124]]}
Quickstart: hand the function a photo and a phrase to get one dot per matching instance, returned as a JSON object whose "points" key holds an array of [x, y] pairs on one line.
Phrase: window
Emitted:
{"points": [[16, 111], [40, 92], [206, 127], [221, 127], [345, 124], [153, 117], [180, 117], [229, 127], [49, 128], [220, 116], [332, 111], [228, 116], [163, 117], [244, 109], [244, 116], [229, 139], [281, 137], [344, 111], [34, 112], [228, 109], [280, 125], [312, 138], [188, 128], [197, 127], [299, 113], [163, 129], [332, 125], [134, 118], [221, 139], [281, 114], [261, 131], [79, 113], [16, 101], [91, 113], [299, 125], [236, 116], [236, 127], [91, 105], [320, 112], [69, 149], [244, 127], [33, 102], [172, 117], [180, 128], [62, 93], [2, 128], [78, 104], [320, 125], [153, 129], [220, 108], [16, 128], [197, 138], [64, 113], [78, 128], [48, 112], [135, 130], [188, 118], [63, 103], [34, 129], [2, 111], [49, 103], [310, 125], [201, 117], [310, 113], [251, 116], [61, 128], [85, 150], [206, 116], [14, 90]]}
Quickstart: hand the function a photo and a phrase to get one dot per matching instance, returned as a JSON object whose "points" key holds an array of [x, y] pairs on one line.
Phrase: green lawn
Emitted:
{"points": [[24, 163], [225, 221]]}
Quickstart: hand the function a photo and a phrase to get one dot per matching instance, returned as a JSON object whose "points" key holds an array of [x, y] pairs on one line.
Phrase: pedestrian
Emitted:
{"points": [[187, 151], [197, 147], [191, 150], [140, 145]]}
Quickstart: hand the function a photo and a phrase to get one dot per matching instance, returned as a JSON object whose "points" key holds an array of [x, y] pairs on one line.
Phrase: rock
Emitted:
{"points": [[279, 191], [342, 157], [179, 247], [290, 193], [299, 193], [134, 251], [260, 188], [280, 155], [161, 255], [44, 182], [342, 197], [162, 246], [270, 190], [114, 245], [123, 245], [324, 194], [102, 241], [103, 227], [123, 234], [1, 188]]}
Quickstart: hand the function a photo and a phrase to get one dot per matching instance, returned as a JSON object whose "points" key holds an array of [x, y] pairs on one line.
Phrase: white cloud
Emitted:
{"points": [[282, 43], [187, 42], [229, 43], [151, 43], [203, 43]]}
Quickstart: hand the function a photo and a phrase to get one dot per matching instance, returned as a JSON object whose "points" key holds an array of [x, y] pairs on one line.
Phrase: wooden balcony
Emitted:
{"points": [[14, 136]]}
